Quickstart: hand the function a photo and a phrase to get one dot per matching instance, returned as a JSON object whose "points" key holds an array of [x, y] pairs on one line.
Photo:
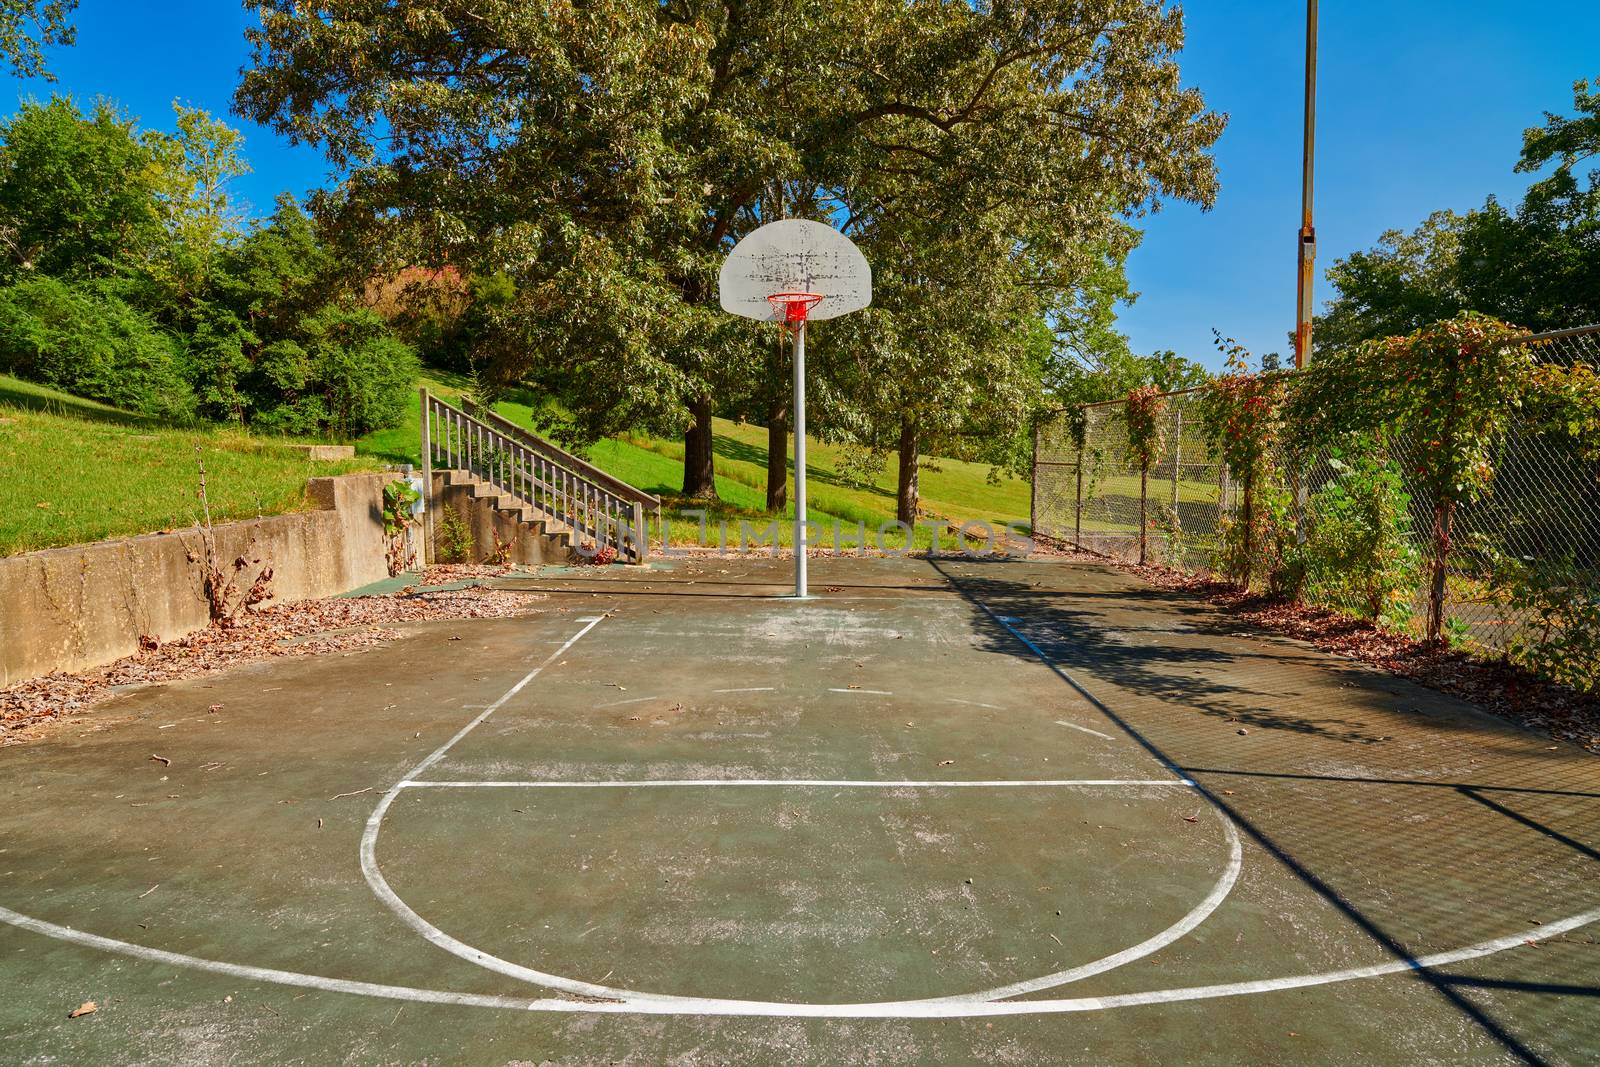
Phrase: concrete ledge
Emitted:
{"points": [[326, 453], [66, 609]]}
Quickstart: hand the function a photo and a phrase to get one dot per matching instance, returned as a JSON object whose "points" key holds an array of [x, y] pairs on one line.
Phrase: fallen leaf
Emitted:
{"points": [[88, 1007], [946, 762], [164, 761], [214, 708]]}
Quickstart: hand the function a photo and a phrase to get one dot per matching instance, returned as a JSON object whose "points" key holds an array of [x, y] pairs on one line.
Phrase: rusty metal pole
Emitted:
{"points": [[1308, 233]]}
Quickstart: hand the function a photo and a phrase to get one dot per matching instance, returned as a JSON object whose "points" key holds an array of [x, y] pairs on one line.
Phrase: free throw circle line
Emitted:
{"points": [[803, 783], [954, 1002], [439, 938], [938, 1010]]}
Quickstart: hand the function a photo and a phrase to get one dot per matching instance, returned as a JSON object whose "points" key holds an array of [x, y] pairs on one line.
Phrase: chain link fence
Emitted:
{"points": [[1543, 505]]}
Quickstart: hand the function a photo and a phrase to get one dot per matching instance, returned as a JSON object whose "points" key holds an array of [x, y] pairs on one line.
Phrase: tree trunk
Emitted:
{"points": [[905, 508], [1444, 514], [699, 472], [777, 455], [1144, 509]]}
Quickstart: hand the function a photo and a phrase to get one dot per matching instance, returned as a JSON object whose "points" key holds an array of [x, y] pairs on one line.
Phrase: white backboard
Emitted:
{"points": [[795, 256]]}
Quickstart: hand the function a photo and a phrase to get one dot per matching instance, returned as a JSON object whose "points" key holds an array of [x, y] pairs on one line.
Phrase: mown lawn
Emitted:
{"points": [[72, 470], [952, 490]]}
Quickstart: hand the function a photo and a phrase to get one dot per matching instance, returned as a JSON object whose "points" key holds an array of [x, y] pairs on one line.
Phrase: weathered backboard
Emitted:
{"points": [[795, 256]]}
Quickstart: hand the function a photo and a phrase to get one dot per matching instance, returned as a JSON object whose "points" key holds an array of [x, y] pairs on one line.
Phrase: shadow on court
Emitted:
{"points": [[1167, 662]]}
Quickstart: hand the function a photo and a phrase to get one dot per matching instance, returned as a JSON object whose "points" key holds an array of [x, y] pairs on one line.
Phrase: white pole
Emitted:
{"points": [[800, 459]]}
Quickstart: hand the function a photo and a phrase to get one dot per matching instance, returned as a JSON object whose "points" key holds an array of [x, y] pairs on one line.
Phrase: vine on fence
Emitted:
{"points": [[1454, 387], [1146, 439], [1565, 641], [1240, 413]]}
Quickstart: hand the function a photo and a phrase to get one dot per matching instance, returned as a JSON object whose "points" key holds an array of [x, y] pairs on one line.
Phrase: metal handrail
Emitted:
{"points": [[537, 474], [560, 455]]}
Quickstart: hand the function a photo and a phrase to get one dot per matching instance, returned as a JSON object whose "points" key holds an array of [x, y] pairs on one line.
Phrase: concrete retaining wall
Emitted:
{"points": [[65, 609]]}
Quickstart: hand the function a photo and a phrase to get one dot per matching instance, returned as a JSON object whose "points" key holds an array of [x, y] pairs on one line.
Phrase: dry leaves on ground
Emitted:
{"points": [[1495, 685], [306, 628]]}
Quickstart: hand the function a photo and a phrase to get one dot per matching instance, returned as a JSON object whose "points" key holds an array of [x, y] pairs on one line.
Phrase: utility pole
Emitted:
{"points": [[1308, 233]]}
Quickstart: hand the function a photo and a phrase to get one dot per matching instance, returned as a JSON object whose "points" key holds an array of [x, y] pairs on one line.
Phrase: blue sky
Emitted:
{"points": [[1421, 106]]}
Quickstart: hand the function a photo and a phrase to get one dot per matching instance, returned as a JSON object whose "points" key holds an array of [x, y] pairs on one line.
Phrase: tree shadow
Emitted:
{"points": [[734, 449], [1320, 845], [1071, 630], [16, 394]]}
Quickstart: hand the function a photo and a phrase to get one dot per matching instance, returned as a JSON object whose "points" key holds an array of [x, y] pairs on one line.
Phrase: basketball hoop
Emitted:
{"points": [[794, 306], [793, 271]]}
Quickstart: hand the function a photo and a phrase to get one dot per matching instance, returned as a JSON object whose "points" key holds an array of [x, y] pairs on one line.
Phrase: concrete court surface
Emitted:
{"points": [[944, 812]]}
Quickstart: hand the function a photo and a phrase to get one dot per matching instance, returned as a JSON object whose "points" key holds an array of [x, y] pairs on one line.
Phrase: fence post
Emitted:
{"points": [[427, 481], [1077, 520], [1177, 461], [1033, 485]]}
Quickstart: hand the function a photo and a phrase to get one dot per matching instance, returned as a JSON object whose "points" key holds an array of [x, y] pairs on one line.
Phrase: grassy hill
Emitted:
{"points": [[72, 470], [76, 470], [951, 489]]}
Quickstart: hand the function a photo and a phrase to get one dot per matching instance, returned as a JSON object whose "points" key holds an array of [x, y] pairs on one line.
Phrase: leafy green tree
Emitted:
{"points": [[77, 192], [83, 338], [604, 157], [195, 166], [346, 374], [1572, 141], [27, 27], [929, 368]]}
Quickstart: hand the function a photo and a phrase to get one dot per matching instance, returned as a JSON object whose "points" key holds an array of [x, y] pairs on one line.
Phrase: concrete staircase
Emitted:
{"points": [[496, 518], [524, 499]]}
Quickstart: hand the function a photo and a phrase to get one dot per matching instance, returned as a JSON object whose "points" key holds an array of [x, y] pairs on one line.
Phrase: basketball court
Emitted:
{"points": [[944, 811]]}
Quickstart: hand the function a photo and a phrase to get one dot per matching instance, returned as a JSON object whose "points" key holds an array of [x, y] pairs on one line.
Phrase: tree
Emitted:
{"points": [[605, 158], [194, 169], [78, 193], [27, 27], [1572, 141]]}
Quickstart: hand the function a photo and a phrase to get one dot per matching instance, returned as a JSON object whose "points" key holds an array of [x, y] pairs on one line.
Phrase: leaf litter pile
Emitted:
{"points": [[306, 628], [1492, 684]]}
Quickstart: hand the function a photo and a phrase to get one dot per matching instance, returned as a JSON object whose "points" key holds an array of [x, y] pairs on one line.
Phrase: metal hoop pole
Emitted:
{"points": [[800, 459]]}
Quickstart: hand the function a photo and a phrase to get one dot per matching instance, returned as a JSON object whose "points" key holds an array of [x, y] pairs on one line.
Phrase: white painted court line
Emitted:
{"points": [[975, 704], [628, 1002], [889, 1010], [1085, 729], [828, 783], [750, 689], [488, 961], [620, 703], [865, 692]]}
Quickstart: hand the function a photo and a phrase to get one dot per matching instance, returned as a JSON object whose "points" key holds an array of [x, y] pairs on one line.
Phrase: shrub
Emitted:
{"points": [[1359, 552], [87, 341], [1563, 612], [347, 375], [453, 538]]}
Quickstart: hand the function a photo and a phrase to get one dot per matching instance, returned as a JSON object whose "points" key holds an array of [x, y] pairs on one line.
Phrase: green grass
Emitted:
{"points": [[952, 490], [77, 471]]}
